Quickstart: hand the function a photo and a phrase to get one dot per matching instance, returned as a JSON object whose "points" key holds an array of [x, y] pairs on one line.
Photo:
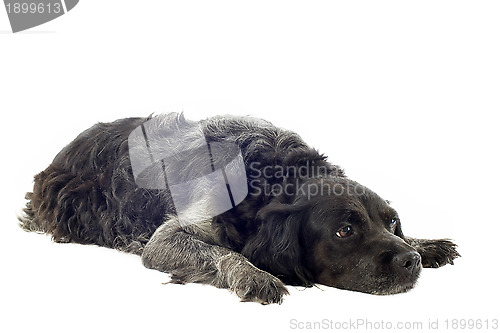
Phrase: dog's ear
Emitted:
{"points": [[278, 246]]}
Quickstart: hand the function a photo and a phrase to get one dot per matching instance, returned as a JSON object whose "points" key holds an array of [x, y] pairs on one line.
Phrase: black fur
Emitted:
{"points": [[88, 195]]}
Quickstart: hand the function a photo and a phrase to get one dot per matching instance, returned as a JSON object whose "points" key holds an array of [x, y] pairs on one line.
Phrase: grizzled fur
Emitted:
{"points": [[88, 195]]}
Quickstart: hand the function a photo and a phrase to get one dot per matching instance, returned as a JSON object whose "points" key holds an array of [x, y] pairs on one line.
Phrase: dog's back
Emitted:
{"points": [[88, 194]]}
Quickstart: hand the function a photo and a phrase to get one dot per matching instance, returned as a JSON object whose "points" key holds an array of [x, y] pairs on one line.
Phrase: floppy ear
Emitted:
{"points": [[278, 246]]}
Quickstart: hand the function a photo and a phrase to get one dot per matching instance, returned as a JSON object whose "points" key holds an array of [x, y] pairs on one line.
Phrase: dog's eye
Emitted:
{"points": [[345, 232], [394, 222]]}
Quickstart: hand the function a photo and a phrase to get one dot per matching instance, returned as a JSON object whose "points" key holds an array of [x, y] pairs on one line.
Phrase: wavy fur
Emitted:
{"points": [[88, 195]]}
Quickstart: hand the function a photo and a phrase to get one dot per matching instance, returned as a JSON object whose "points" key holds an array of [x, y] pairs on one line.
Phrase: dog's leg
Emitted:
{"points": [[434, 252], [187, 254]]}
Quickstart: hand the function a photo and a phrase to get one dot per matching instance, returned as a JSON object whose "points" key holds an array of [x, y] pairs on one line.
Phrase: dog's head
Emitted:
{"points": [[337, 233]]}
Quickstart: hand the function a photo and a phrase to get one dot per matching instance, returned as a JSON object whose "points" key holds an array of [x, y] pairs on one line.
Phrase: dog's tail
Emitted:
{"points": [[27, 219]]}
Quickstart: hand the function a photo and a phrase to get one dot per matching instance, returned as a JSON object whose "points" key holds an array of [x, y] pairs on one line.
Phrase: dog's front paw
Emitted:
{"points": [[435, 252], [259, 286]]}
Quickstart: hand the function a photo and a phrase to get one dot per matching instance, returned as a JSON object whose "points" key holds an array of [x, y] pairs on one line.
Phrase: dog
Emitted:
{"points": [[233, 202]]}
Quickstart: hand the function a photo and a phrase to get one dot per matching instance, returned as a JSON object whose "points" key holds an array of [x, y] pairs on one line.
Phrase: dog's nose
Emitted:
{"points": [[407, 262]]}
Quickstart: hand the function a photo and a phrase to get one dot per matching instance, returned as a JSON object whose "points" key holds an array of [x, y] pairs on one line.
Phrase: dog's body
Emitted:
{"points": [[302, 222]]}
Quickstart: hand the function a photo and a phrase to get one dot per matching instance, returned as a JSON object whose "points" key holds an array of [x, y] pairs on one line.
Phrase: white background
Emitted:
{"points": [[402, 94]]}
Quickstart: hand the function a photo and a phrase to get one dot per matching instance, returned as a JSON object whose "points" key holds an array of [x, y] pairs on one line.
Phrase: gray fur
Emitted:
{"points": [[188, 253]]}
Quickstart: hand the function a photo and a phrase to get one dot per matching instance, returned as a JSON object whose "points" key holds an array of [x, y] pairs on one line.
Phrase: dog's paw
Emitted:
{"points": [[435, 252], [260, 287]]}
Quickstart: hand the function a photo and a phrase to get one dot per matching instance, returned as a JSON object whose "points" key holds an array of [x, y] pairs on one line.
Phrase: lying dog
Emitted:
{"points": [[233, 202]]}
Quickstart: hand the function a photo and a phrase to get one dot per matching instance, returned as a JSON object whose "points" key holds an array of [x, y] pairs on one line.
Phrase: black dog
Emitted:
{"points": [[231, 201]]}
